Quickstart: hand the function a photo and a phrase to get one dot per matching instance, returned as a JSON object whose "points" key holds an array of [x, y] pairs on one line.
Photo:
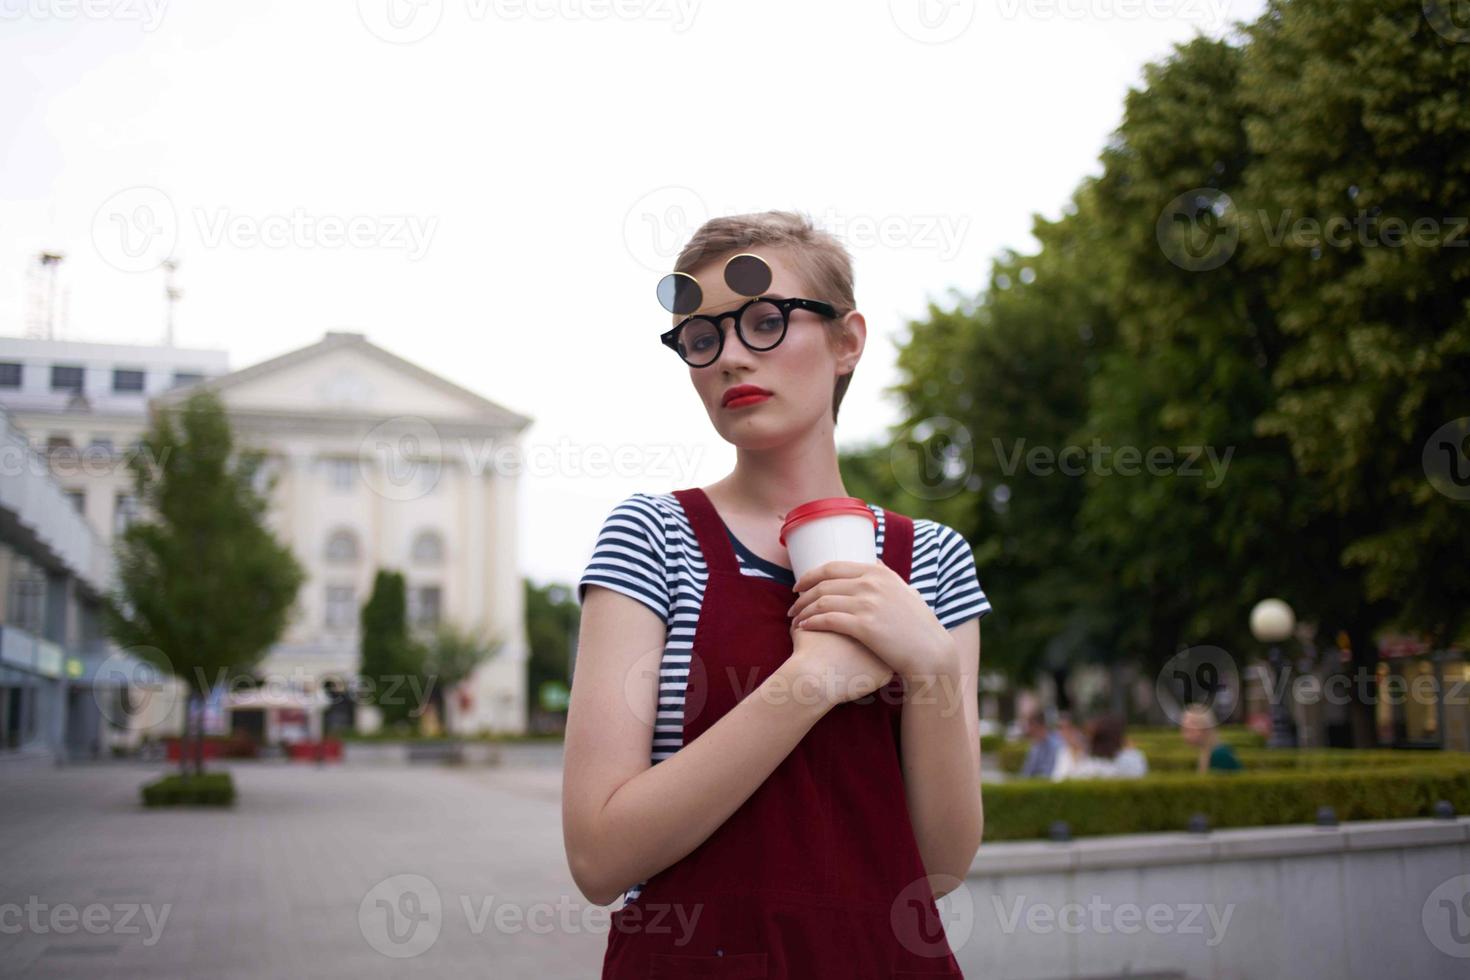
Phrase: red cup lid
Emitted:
{"points": [[826, 507]]}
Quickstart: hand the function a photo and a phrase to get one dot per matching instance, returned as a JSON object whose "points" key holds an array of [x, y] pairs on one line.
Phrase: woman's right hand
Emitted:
{"points": [[834, 667]]}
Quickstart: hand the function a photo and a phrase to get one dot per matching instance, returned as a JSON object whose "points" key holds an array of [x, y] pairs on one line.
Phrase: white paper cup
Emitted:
{"points": [[829, 529]]}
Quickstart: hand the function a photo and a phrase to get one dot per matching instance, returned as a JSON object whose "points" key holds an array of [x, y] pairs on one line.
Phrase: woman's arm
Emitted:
{"points": [[941, 760], [623, 819]]}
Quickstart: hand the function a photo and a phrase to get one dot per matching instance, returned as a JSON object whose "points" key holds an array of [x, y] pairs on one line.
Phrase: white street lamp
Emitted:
{"points": [[1272, 621]]}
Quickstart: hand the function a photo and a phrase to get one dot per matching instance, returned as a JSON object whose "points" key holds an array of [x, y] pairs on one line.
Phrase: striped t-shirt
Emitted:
{"points": [[648, 550]]}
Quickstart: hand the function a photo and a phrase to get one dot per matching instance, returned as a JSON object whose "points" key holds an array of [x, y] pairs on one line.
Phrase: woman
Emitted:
{"points": [[779, 775], [1107, 755]]}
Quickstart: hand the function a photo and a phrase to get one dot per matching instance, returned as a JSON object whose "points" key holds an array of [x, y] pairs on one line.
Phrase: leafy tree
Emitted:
{"points": [[392, 661], [203, 587], [552, 615], [451, 655]]}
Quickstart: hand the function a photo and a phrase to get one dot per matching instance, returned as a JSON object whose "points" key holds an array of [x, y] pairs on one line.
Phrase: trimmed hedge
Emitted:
{"points": [[209, 789], [1182, 758], [1025, 809]]}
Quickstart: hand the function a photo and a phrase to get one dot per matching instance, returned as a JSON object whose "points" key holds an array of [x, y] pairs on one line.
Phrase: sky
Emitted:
{"points": [[492, 188]]}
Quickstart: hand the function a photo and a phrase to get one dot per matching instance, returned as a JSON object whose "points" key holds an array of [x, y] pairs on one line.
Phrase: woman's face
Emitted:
{"points": [[799, 374]]}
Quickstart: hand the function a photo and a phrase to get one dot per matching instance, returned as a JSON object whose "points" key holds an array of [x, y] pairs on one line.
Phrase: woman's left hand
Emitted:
{"points": [[871, 603]]}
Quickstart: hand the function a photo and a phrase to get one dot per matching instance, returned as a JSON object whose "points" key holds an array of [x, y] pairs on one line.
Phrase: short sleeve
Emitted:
{"points": [[959, 596], [628, 556]]}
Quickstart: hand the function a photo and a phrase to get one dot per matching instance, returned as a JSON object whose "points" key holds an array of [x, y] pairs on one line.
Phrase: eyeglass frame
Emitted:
{"points": [[670, 338]]}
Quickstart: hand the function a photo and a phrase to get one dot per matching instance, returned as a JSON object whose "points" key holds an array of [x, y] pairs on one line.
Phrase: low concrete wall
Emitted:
{"points": [[1369, 900]]}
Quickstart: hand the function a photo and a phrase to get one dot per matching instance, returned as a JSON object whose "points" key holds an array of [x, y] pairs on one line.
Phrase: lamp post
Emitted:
{"points": [[1272, 621]]}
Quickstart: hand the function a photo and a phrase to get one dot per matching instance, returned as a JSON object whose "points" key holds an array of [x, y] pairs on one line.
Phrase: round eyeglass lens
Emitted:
{"points": [[699, 342], [762, 325]]}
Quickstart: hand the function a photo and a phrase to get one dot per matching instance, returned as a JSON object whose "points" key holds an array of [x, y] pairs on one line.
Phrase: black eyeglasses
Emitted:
{"points": [[761, 324]]}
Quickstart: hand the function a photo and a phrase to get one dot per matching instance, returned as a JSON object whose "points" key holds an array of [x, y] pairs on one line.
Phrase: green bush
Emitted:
{"points": [[1182, 758], [209, 789], [1025, 809]]}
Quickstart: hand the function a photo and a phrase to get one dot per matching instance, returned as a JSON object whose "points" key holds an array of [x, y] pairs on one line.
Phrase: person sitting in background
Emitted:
{"points": [[1199, 728], [1041, 758], [1072, 751], [1108, 755]]}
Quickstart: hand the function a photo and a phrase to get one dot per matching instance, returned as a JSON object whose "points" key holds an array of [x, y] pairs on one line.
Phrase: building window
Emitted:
{"points": [[424, 602], [78, 500], [182, 378], [126, 380], [66, 378], [100, 446], [55, 442], [124, 512], [341, 607], [428, 548], [10, 375], [27, 605], [342, 547], [342, 473]]}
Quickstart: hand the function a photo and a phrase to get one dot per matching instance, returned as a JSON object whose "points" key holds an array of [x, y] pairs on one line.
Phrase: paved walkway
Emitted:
{"points": [[331, 872]]}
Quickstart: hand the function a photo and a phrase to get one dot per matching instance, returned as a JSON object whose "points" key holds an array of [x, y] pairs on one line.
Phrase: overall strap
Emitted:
{"points": [[898, 543], [714, 543]]}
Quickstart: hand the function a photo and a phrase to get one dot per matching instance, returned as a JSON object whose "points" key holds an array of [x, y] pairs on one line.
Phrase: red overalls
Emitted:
{"points": [[817, 874]]}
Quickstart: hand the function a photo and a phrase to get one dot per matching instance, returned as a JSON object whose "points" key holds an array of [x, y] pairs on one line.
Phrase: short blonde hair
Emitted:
{"points": [[821, 258]]}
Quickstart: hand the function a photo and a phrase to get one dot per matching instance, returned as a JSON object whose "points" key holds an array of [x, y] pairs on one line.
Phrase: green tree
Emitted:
{"points": [[203, 587], [392, 660], [451, 654], [1359, 122], [552, 617]]}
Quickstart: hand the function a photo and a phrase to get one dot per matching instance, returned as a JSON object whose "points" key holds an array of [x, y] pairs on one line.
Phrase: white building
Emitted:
{"points": [[372, 462]]}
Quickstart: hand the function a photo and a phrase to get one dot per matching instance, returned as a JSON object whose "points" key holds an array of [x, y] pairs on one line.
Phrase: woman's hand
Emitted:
{"points": [[871, 603], [833, 668]]}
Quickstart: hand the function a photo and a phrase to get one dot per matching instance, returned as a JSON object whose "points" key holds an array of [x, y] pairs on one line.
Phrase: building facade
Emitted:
{"points": [[371, 463]]}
